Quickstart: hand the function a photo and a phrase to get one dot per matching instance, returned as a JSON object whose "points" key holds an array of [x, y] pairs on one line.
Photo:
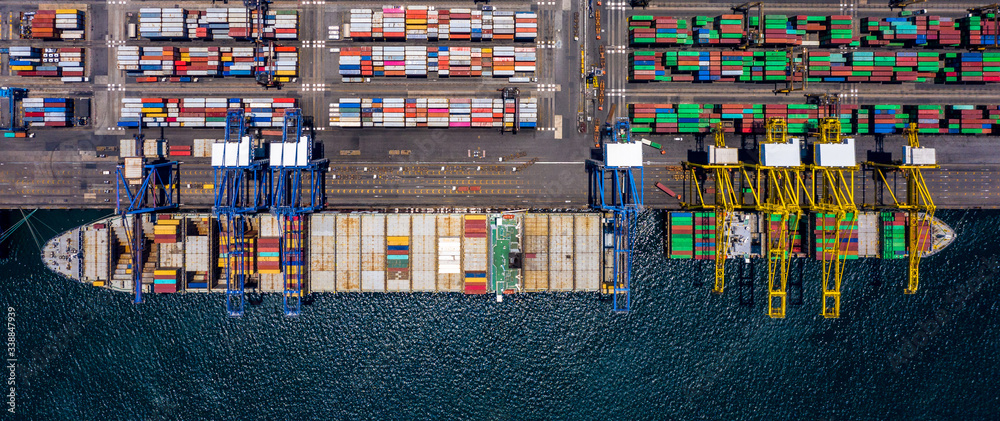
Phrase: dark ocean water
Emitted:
{"points": [[683, 353]]}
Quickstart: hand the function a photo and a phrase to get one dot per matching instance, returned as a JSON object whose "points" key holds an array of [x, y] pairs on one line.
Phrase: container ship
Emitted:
{"points": [[691, 235], [471, 253]]}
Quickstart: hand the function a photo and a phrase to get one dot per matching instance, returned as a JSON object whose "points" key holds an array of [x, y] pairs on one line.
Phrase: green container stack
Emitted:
{"points": [[893, 237], [681, 241]]}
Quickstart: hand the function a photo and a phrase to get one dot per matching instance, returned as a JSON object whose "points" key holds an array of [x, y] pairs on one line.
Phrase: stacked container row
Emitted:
{"points": [[216, 23], [822, 66], [804, 118], [65, 63], [201, 112], [427, 112], [64, 24], [47, 112], [929, 31], [427, 23], [411, 61]]}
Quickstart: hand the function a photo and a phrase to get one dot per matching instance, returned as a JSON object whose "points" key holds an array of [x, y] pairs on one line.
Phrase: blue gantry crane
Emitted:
{"points": [[290, 162], [616, 186], [157, 191], [13, 95], [241, 185]]}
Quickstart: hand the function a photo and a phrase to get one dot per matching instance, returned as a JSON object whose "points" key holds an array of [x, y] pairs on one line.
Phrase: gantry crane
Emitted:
{"points": [[158, 191], [796, 68], [615, 189], [831, 191], [511, 98], [13, 95], [722, 162], [776, 190], [289, 160], [903, 3], [241, 187], [751, 35], [264, 53], [919, 205]]}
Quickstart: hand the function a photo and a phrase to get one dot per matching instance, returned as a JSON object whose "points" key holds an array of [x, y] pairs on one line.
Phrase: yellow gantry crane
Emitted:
{"points": [[796, 67], [752, 35], [919, 204], [831, 191], [903, 3], [722, 162], [776, 193]]}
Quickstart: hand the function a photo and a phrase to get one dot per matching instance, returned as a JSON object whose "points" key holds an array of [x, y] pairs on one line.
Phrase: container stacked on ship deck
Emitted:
{"points": [[704, 235], [823, 235], [774, 230], [893, 236], [680, 243], [165, 280], [166, 230], [63, 24], [246, 264], [269, 255]]}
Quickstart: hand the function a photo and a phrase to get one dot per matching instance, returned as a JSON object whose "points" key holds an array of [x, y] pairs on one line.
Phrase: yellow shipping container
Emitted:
{"points": [[65, 11], [165, 272], [397, 241], [285, 73], [208, 187], [21, 68], [152, 109], [168, 222]]}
